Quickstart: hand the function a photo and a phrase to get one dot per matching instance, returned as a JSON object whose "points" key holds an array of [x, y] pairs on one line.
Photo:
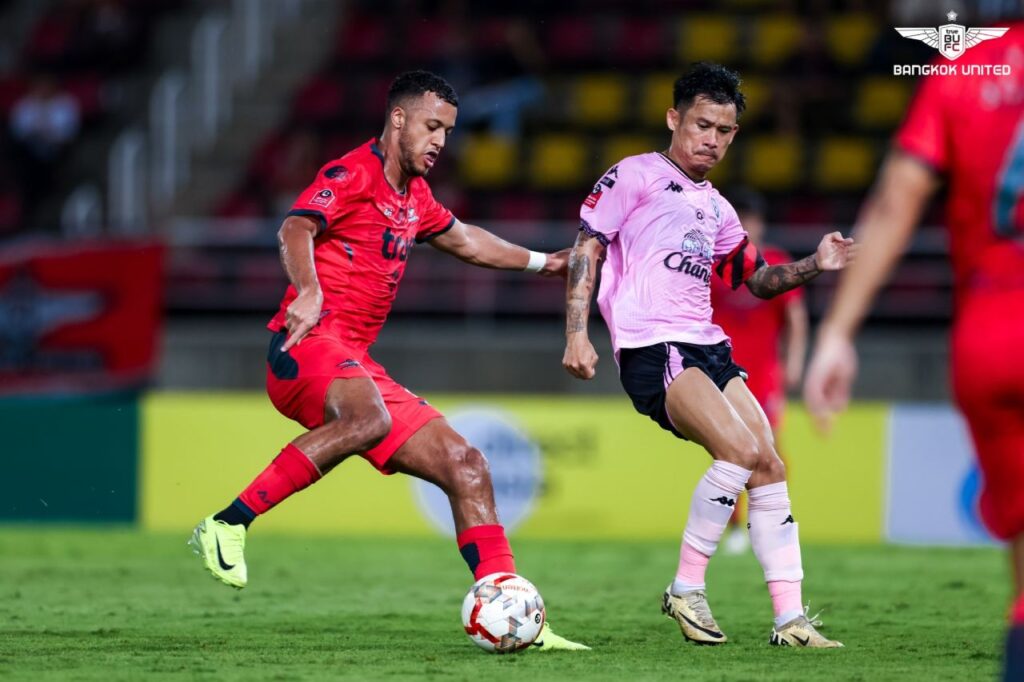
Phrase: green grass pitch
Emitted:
{"points": [[122, 605]]}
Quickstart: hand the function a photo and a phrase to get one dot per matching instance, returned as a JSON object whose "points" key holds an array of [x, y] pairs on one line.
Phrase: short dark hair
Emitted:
{"points": [[719, 84], [417, 83], [747, 200]]}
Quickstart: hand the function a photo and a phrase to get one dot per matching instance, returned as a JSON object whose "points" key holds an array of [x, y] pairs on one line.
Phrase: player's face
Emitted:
{"points": [[425, 127], [701, 134]]}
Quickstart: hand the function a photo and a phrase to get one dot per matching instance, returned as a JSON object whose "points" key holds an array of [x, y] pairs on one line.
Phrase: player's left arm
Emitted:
{"points": [[477, 246], [833, 253]]}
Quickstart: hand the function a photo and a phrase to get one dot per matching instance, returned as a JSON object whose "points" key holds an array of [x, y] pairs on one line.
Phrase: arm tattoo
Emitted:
{"points": [[579, 288], [772, 280]]}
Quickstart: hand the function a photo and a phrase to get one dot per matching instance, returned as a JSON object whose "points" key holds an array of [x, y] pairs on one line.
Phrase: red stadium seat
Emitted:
{"points": [[571, 39], [364, 38], [87, 89], [426, 39], [320, 101], [640, 41], [11, 89]]}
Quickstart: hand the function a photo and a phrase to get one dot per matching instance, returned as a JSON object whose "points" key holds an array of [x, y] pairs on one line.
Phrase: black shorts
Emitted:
{"points": [[647, 372]]}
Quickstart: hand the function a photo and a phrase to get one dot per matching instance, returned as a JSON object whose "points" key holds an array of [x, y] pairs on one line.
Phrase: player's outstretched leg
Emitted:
{"points": [[356, 420], [698, 410], [774, 533], [685, 600], [438, 454]]}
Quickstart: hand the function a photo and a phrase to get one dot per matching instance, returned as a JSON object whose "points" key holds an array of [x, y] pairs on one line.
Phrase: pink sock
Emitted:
{"points": [[786, 599], [775, 539], [690, 574], [712, 505]]}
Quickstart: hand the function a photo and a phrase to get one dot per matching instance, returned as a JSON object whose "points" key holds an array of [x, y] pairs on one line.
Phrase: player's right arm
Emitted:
{"points": [[295, 239], [603, 213], [580, 358]]}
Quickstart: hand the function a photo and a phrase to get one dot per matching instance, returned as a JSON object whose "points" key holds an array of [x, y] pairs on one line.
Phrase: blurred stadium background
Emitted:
{"points": [[138, 261]]}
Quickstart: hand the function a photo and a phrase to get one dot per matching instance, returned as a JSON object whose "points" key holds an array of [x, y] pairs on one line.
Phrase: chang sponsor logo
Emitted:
{"points": [[693, 258]]}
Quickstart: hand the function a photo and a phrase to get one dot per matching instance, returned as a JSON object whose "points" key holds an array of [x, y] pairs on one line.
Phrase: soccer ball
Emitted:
{"points": [[503, 613]]}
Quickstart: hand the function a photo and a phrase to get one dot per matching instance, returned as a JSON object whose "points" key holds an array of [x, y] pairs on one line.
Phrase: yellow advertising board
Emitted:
{"points": [[604, 471]]}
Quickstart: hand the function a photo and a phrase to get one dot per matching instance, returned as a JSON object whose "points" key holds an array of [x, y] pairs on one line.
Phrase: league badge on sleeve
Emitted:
{"points": [[323, 198]]}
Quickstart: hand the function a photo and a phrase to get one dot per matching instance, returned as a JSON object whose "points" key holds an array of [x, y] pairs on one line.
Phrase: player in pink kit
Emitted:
{"points": [[969, 131], [664, 230], [345, 245]]}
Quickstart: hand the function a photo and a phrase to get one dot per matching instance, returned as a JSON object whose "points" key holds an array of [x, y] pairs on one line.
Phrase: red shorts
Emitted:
{"points": [[765, 383], [297, 383], [988, 381]]}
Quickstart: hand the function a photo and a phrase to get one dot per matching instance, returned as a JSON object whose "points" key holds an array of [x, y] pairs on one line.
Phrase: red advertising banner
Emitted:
{"points": [[79, 317]]}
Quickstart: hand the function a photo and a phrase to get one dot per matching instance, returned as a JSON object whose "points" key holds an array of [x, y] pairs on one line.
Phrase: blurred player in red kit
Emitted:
{"points": [[969, 131], [344, 246], [759, 329]]}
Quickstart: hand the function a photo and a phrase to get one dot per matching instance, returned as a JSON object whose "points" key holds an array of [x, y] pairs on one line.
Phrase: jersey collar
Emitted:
{"points": [[375, 150], [695, 183]]}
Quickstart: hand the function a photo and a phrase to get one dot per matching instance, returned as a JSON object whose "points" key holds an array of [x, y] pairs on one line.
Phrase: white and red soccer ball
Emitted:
{"points": [[503, 613]]}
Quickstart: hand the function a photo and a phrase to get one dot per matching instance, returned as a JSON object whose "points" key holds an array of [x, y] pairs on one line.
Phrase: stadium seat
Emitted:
{"points": [[621, 146], [850, 38], [570, 39], [772, 162], [844, 164], [12, 87], [87, 89], [639, 41], [881, 102], [757, 92], [320, 101], [655, 98], [488, 161], [708, 36], [774, 39], [599, 99], [559, 161], [364, 38], [426, 39], [517, 206]]}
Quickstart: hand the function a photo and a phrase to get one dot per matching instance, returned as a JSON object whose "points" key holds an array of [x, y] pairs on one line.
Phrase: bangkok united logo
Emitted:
{"points": [[951, 40]]}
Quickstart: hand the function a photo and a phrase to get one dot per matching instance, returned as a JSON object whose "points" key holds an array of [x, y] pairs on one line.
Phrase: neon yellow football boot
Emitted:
{"points": [[222, 548], [549, 641]]}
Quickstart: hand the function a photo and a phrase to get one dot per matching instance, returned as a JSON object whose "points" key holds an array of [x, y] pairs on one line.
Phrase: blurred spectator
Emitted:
{"points": [[498, 78], [44, 121]]}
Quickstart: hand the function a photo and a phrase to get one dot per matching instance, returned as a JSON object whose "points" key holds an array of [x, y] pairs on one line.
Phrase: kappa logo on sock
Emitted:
{"points": [[723, 500], [789, 519]]}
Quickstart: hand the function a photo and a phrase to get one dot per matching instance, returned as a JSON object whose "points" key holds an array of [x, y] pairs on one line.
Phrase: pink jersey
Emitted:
{"points": [[665, 234]]}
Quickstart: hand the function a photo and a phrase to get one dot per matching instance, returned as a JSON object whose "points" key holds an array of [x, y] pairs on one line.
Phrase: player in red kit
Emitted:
{"points": [[759, 328], [345, 245], [968, 130]]}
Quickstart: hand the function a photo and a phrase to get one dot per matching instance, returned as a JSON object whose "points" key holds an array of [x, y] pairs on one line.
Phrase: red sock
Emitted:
{"points": [[1017, 615], [290, 472], [486, 550]]}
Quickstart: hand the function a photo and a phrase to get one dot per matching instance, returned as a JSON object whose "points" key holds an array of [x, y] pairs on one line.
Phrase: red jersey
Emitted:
{"points": [[753, 324], [970, 128], [367, 231]]}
